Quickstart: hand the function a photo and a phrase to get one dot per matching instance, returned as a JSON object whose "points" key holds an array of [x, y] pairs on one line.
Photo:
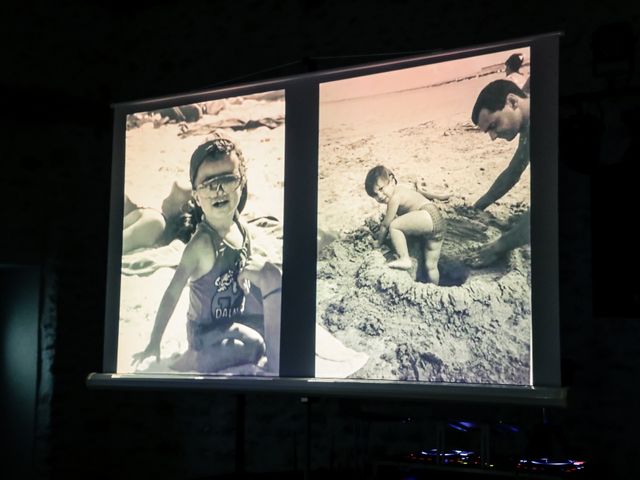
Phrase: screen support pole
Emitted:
{"points": [[307, 437], [240, 432]]}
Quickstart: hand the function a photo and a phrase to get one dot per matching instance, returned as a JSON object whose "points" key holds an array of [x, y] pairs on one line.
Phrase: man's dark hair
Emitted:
{"points": [[493, 97], [372, 177]]}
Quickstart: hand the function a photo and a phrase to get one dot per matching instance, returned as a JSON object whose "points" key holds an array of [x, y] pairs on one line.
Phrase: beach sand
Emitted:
{"points": [[156, 156], [477, 327], [372, 322]]}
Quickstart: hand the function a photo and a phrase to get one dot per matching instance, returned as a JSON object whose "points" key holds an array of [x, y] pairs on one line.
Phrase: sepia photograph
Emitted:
{"points": [[201, 274], [424, 261]]}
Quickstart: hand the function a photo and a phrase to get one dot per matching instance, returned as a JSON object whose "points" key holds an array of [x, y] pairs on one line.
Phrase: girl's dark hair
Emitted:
{"points": [[183, 226], [217, 146]]}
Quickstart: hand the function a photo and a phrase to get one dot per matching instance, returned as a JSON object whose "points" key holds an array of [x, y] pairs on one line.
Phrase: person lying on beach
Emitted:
{"points": [[502, 111], [145, 227], [144, 262], [217, 264], [512, 71], [408, 213]]}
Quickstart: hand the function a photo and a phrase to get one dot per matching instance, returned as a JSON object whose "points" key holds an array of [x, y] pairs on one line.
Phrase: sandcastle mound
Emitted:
{"points": [[475, 327]]}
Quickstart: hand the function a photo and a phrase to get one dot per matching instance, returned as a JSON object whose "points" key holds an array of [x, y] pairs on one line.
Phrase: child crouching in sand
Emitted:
{"points": [[217, 265], [408, 213]]}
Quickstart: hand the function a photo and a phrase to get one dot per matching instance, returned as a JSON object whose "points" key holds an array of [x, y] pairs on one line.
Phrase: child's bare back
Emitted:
{"points": [[408, 200]]}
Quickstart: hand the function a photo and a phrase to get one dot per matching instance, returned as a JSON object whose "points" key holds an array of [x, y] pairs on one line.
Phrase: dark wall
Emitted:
{"points": [[65, 65], [19, 314]]}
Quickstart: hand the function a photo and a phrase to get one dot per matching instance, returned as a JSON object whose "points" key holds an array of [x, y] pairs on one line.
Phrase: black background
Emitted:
{"points": [[64, 64], [299, 245]]}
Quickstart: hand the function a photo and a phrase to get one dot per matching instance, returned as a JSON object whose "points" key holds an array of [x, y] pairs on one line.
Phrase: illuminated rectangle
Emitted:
{"points": [[203, 200], [334, 304], [403, 141]]}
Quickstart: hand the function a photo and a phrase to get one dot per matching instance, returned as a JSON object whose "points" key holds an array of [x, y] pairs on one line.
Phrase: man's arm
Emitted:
{"points": [[509, 177]]}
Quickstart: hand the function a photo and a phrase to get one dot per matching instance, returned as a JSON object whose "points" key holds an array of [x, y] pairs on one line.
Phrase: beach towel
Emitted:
{"points": [[333, 358]]}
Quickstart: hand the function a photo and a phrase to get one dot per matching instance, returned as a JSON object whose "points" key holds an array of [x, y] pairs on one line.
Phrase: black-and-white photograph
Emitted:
{"points": [[201, 271], [424, 260]]}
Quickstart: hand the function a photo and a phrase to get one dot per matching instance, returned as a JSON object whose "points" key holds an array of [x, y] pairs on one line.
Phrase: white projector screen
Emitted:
{"points": [[386, 229]]}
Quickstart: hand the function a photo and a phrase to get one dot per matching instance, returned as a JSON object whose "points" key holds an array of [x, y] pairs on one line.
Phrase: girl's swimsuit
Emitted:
{"points": [[216, 298]]}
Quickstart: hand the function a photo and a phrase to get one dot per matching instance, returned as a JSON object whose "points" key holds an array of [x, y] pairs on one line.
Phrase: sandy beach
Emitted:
{"points": [[157, 154], [476, 326], [372, 322]]}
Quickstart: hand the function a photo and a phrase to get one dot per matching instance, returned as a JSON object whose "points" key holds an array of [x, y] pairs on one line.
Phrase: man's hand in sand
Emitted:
{"points": [[485, 256], [152, 350], [516, 237]]}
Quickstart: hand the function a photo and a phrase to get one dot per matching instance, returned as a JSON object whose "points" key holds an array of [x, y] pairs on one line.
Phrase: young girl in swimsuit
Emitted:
{"points": [[217, 265]]}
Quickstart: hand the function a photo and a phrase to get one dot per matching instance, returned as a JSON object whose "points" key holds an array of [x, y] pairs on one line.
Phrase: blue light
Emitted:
{"points": [[468, 424], [457, 427], [504, 427]]}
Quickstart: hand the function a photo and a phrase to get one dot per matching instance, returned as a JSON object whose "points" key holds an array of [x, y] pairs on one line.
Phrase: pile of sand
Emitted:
{"points": [[474, 327]]}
